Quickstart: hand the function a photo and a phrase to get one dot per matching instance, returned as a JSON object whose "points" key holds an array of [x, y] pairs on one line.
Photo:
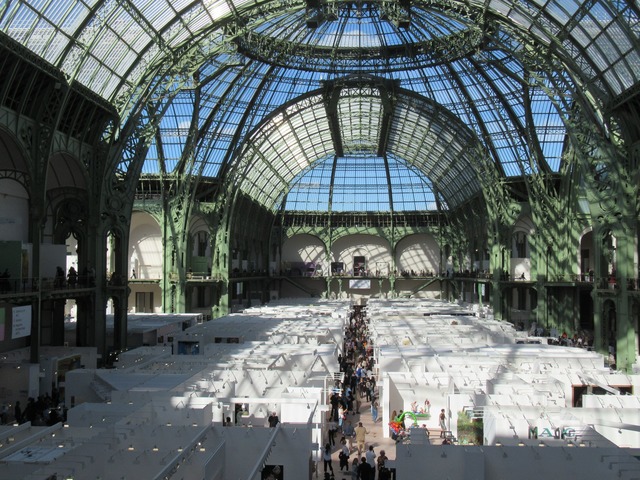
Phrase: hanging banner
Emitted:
{"points": [[21, 321], [360, 284]]}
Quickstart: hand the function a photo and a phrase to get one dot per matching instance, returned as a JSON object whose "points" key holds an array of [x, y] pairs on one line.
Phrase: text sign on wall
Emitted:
{"points": [[21, 322], [549, 432], [360, 284]]}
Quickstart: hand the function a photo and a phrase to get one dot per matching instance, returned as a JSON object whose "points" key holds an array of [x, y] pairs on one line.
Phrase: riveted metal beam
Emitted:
{"points": [[331, 96]]}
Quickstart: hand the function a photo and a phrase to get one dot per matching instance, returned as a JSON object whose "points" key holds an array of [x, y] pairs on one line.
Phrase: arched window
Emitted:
{"points": [[520, 245], [202, 239]]}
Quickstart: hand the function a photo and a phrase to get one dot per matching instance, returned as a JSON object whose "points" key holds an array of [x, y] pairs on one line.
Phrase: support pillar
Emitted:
{"points": [[496, 300], [36, 314], [223, 300], [599, 339], [625, 331]]}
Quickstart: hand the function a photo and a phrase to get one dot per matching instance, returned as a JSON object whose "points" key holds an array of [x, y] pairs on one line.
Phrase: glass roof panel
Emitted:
{"points": [[412, 191], [160, 26], [360, 114], [19, 24], [38, 41], [614, 80], [560, 12], [55, 47], [272, 62], [310, 191], [549, 127], [150, 165], [361, 184], [619, 38]]}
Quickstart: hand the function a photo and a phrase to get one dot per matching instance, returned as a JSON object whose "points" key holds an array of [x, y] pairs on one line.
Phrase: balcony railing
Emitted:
{"points": [[12, 286]]}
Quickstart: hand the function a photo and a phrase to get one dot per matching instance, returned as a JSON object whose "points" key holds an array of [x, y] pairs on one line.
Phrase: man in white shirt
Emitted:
{"points": [[371, 456]]}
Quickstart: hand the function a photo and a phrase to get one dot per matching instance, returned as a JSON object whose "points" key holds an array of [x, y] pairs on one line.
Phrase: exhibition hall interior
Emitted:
{"points": [[319, 239]]}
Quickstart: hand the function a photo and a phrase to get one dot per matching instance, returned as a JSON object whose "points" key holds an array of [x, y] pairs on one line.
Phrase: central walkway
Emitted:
{"points": [[375, 431], [375, 437]]}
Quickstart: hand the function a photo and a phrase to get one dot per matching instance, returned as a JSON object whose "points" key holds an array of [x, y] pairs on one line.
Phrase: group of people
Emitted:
{"points": [[421, 273], [580, 339], [72, 278], [363, 467], [346, 398], [45, 410]]}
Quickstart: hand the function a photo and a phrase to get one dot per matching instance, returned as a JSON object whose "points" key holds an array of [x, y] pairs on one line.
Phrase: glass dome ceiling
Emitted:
{"points": [[361, 124], [259, 94], [397, 36]]}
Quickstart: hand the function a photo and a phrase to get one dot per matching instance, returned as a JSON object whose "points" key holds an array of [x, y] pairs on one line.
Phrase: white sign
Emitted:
{"points": [[360, 284], [21, 321]]}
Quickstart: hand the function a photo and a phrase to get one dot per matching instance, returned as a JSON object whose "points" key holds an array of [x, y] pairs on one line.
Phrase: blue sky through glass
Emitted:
{"points": [[361, 183]]}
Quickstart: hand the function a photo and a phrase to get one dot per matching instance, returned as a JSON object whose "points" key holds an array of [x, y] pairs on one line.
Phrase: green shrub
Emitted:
{"points": [[469, 430]]}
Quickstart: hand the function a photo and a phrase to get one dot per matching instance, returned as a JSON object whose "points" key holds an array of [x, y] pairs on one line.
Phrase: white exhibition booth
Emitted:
{"points": [[197, 408]]}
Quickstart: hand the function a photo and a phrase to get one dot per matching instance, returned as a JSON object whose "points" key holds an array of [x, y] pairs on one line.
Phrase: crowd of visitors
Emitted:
{"points": [[580, 339], [357, 457], [46, 410], [73, 278]]}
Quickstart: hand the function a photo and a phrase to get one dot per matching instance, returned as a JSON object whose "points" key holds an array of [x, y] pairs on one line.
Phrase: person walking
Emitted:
{"points": [[374, 410], [355, 466], [349, 432], [326, 457], [17, 413], [368, 389], [442, 420], [383, 471], [371, 457], [365, 471], [334, 400], [344, 455], [333, 428], [361, 438], [273, 419]]}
